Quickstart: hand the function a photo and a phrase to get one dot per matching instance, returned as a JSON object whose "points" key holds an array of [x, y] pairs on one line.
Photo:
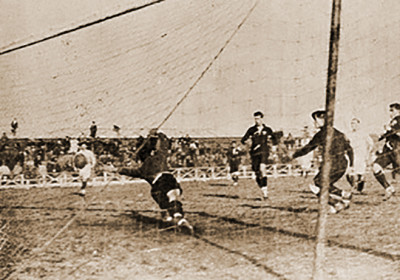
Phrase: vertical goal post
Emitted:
{"points": [[319, 253]]}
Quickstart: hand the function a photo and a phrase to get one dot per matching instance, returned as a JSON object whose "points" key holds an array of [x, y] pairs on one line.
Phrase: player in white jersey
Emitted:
{"points": [[362, 145], [84, 161]]}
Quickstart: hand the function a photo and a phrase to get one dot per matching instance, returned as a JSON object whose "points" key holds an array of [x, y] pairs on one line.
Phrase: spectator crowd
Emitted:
{"points": [[37, 157]]}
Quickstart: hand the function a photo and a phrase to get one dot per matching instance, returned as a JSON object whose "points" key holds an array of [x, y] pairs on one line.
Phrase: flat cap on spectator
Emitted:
{"points": [[81, 143], [395, 106], [258, 114], [318, 114], [153, 132]]}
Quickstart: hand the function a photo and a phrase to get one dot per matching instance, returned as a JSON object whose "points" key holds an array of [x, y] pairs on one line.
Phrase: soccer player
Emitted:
{"points": [[260, 136], [165, 189], [84, 160], [339, 152], [362, 144], [234, 156], [390, 153]]}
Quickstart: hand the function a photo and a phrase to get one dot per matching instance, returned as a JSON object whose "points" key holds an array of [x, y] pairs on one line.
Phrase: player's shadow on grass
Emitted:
{"points": [[300, 191], [219, 184], [280, 208], [222, 196], [158, 224], [369, 203], [305, 236], [360, 194], [147, 220]]}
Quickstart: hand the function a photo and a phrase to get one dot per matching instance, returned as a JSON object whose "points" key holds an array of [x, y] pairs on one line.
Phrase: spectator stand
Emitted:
{"points": [[68, 179], [45, 161]]}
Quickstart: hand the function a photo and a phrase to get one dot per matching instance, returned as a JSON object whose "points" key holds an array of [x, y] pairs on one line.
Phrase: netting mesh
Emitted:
{"points": [[219, 61]]}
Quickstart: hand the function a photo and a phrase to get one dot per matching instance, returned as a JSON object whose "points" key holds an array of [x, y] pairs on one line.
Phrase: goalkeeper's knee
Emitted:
{"points": [[175, 209], [173, 194]]}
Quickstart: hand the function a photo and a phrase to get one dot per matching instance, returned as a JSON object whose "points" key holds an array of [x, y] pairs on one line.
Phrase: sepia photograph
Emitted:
{"points": [[200, 139]]}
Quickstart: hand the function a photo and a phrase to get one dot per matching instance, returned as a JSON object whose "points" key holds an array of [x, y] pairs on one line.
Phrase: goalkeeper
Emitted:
{"points": [[165, 189], [340, 151]]}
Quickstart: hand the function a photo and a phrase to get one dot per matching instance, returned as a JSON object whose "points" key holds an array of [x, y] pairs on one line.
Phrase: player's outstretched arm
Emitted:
{"points": [[131, 172], [314, 142]]}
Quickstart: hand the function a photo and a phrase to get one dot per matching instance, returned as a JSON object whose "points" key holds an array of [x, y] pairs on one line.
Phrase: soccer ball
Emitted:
{"points": [[80, 161]]}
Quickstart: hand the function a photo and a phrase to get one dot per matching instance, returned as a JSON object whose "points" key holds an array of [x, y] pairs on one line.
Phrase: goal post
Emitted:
{"points": [[319, 253]]}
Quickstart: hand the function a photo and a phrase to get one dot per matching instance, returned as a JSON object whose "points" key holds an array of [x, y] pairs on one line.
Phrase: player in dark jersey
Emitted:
{"points": [[390, 153], [165, 189], [234, 156], [340, 153], [261, 136]]}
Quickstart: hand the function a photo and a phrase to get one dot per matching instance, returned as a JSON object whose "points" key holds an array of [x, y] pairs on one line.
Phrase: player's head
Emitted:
{"points": [[153, 132], [319, 118], [233, 143], [394, 110], [258, 117], [355, 124], [83, 145]]}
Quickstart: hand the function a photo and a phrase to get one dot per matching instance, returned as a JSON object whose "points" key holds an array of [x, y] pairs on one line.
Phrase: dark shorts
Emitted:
{"points": [[257, 159], [338, 169], [234, 165], [389, 156], [165, 183]]}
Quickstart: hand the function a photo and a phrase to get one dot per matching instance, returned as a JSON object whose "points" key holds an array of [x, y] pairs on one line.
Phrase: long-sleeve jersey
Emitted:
{"points": [[339, 149], [260, 136], [155, 161], [149, 169], [392, 134]]}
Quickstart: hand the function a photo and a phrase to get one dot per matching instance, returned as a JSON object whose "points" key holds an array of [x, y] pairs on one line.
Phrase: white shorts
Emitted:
{"points": [[360, 164], [85, 172]]}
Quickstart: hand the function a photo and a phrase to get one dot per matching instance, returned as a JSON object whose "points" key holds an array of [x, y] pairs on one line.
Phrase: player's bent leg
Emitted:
{"points": [[356, 181], [338, 199], [84, 174], [166, 191], [342, 198], [360, 182], [175, 206], [169, 208], [263, 170], [174, 194], [380, 175], [262, 184], [82, 191], [264, 180], [316, 187], [258, 179], [175, 209], [235, 178]]}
